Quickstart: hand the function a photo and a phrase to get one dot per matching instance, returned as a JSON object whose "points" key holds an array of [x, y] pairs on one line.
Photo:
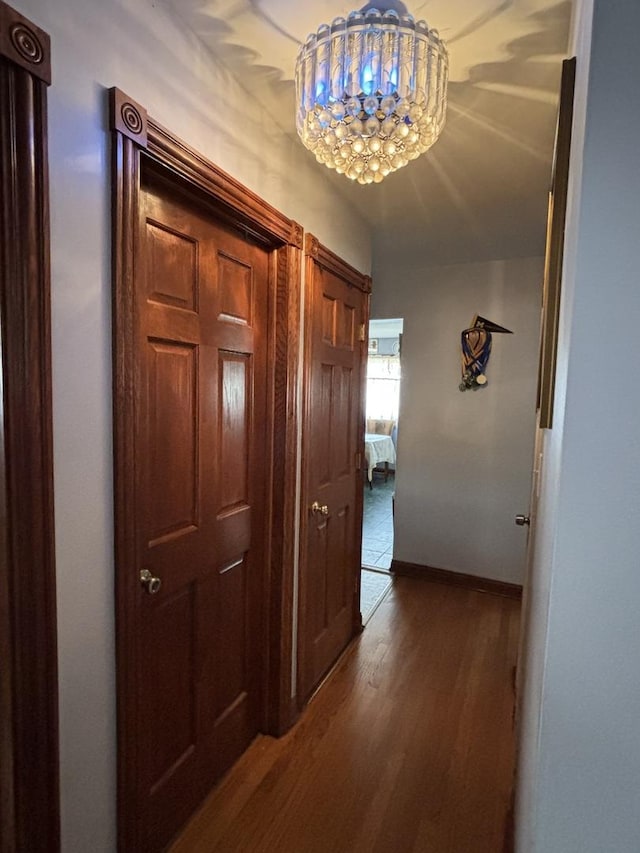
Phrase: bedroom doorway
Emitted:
{"points": [[382, 422]]}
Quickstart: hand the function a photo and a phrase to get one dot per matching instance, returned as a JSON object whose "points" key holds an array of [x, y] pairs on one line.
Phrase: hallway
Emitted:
{"points": [[407, 748]]}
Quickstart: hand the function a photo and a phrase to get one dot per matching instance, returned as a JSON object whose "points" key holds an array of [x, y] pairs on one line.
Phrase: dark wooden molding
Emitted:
{"points": [[255, 215], [168, 156], [29, 785], [554, 253], [446, 576], [127, 117], [312, 246], [327, 259], [357, 614], [281, 708], [24, 44], [296, 237], [125, 187], [311, 253]]}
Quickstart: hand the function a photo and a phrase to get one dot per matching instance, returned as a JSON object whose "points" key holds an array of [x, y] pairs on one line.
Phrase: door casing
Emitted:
{"points": [[135, 137], [29, 777]]}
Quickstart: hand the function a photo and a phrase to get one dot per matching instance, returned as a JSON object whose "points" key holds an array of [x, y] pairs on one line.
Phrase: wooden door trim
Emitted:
{"points": [[318, 256], [136, 138], [554, 251], [29, 782], [325, 258]]}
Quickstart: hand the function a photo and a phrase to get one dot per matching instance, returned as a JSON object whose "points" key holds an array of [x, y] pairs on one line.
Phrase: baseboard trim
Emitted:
{"points": [[478, 584]]}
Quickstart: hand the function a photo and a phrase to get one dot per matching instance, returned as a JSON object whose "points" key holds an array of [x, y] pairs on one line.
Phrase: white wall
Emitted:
{"points": [[580, 739], [464, 458], [136, 45]]}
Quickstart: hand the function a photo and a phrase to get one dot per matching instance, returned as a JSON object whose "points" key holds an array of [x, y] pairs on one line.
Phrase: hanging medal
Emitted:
{"points": [[475, 345]]}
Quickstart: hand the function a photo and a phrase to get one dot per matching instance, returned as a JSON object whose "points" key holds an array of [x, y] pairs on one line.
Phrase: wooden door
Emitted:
{"points": [[206, 295], [201, 310], [337, 304]]}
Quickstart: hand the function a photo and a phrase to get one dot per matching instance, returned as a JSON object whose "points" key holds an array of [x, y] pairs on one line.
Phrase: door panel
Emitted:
{"points": [[172, 267], [337, 304], [170, 737], [234, 394], [173, 439], [201, 312]]}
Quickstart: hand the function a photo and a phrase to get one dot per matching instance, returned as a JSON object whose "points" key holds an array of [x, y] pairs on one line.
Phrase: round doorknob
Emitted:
{"points": [[151, 583], [323, 509], [522, 520]]}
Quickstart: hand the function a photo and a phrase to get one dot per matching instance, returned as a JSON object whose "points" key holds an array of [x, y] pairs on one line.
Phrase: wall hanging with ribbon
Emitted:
{"points": [[475, 343]]}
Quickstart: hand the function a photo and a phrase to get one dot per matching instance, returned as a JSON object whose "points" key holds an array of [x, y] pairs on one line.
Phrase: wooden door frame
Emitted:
{"points": [[554, 250], [319, 257], [137, 138], [29, 783]]}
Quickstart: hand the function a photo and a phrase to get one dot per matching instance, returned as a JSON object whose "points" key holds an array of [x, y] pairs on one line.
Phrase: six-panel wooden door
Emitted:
{"points": [[201, 310], [331, 531]]}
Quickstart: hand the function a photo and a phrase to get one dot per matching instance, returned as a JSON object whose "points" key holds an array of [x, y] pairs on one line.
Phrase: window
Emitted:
{"points": [[383, 386]]}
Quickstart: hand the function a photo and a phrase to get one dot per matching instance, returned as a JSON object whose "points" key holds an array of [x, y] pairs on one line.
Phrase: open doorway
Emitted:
{"points": [[382, 407]]}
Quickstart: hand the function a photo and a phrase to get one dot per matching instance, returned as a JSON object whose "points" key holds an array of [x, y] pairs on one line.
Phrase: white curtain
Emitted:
{"points": [[383, 386]]}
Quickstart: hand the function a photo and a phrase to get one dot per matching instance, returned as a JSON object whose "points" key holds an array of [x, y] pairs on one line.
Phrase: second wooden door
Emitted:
{"points": [[331, 533]]}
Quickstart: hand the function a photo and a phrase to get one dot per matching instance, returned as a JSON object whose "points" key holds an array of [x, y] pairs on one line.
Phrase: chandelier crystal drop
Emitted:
{"points": [[371, 93]]}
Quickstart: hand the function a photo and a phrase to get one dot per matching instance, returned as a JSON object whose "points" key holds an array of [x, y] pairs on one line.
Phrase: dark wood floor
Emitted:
{"points": [[407, 747]]}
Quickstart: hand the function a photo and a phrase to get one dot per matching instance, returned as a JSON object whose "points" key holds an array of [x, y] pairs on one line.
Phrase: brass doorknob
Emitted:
{"points": [[149, 582], [521, 520], [323, 509]]}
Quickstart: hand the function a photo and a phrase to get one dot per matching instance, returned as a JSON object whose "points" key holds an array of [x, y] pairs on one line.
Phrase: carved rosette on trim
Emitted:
{"points": [[312, 246], [25, 44], [128, 117], [297, 233]]}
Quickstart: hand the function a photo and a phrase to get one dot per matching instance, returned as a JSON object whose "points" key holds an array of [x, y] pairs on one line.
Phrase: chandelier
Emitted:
{"points": [[371, 93]]}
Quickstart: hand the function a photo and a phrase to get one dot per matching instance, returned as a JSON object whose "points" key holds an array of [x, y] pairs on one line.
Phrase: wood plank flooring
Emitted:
{"points": [[407, 748]]}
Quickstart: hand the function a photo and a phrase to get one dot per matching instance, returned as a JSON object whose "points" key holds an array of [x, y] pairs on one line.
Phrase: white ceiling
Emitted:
{"points": [[481, 191]]}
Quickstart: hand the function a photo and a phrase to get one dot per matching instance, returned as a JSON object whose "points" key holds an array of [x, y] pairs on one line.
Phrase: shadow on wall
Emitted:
{"points": [[482, 190], [491, 168]]}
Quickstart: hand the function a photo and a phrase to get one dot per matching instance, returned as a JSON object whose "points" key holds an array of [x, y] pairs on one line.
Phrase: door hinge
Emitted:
{"points": [[358, 460], [362, 333]]}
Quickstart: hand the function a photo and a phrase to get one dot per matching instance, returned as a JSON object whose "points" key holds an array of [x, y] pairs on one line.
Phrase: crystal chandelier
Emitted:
{"points": [[371, 93]]}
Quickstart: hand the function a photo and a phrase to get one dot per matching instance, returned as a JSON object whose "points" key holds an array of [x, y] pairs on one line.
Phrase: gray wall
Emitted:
{"points": [[579, 749], [136, 45], [464, 459]]}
